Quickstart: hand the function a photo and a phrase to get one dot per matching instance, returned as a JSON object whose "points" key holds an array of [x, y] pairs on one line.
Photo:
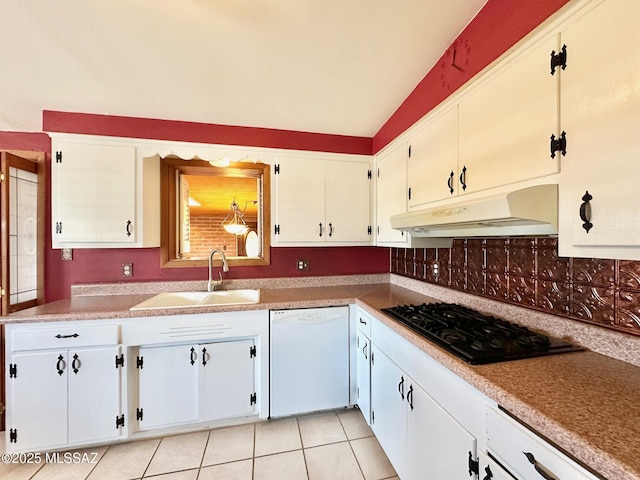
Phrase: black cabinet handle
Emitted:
{"points": [[128, 228], [60, 366], [463, 178], [320, 230], [364, 350], [410, 396], [450, 182], [544, 473], [401, 387], [585, 212], [363, 321], [193, 356], [204, 357], [330, 229], [75, 364], [73, 335]]}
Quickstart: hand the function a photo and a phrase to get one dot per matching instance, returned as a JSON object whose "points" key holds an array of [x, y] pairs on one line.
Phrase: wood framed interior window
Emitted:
{"points": [[195, 193]]}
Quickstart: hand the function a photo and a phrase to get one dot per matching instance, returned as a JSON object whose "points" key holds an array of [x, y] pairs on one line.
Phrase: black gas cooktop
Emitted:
{"points": [[474, 337]]}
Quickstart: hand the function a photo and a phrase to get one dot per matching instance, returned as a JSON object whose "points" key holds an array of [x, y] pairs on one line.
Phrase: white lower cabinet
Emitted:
{"points": [[76, 383], [438, 446], [226, 379], [389, 409], [191, 383], [63, 397], [363, 372], [420, 438], [168, 382]]}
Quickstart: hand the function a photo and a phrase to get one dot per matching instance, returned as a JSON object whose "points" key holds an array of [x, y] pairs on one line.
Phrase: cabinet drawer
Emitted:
{"points": [[364, 322], [64, 337], [508, 441]]}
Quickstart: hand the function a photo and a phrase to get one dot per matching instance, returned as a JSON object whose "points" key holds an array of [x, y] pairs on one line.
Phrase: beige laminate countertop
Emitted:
{"points": [[585, 403]]}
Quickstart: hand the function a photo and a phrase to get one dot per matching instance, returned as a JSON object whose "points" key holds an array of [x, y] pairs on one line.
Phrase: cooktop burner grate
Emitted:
{"points": [[474, 337]]}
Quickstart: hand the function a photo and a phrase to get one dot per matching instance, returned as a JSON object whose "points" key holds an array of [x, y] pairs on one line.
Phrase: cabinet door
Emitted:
{"points": [[432, 167], [506, 121], [94, 194], [388, 409], [38, 400], [438, 446], [348, 202], [300, 201], [94, 394], [227, 379], [600, 113], [168, 385], [391, 193], [363, 373]]}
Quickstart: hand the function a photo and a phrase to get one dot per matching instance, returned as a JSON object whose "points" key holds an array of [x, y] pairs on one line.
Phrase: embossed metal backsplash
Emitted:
{"points": [[528, 272]]}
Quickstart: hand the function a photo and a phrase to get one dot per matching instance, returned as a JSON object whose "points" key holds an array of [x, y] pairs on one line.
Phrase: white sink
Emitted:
{"points": [[199, 299]]}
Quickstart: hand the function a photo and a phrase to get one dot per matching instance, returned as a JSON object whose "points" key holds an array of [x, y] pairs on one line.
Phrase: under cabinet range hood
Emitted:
{"points": [[528, 211]]}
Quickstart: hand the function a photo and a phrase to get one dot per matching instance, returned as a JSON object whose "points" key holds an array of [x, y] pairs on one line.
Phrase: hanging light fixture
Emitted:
{"points": [[234, 221]]}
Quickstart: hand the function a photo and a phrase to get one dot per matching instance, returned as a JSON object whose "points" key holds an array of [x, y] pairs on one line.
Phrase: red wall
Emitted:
{"points": [[105, 265], [115, 126], [498, 26]]}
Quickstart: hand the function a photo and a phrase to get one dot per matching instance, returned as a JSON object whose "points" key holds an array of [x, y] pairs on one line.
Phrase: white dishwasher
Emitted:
{"points": [[309, 360]]}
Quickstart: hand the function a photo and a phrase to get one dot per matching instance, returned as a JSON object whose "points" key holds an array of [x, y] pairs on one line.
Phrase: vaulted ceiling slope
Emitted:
{"points": [[326, 66]]}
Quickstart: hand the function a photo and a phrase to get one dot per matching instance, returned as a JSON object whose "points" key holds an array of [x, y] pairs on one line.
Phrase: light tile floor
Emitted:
{"points": [[334, 445]]}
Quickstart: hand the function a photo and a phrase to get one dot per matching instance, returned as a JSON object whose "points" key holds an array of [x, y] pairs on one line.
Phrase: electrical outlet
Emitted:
{"points": [[435, 269], [127, 270], [303, 264], [67, 254]]}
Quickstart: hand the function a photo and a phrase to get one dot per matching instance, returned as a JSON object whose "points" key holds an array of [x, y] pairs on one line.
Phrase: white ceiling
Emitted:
{"points": [[328, 66]]}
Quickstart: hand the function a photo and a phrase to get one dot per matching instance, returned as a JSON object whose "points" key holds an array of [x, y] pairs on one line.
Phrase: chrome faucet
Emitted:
{"points": [[213, 284]]}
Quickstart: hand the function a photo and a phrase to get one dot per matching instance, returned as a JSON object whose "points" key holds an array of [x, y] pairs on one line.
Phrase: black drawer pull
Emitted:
{"points": [[585, 211], [73, 335]]}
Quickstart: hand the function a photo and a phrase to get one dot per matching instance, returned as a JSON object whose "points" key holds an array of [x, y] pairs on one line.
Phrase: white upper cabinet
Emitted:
{"points": [[348, 202], [432, 166], [391, 196], [599, 195], [507, 119], [299, 201], [495, 132], [103, 195], [322, 202]]}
